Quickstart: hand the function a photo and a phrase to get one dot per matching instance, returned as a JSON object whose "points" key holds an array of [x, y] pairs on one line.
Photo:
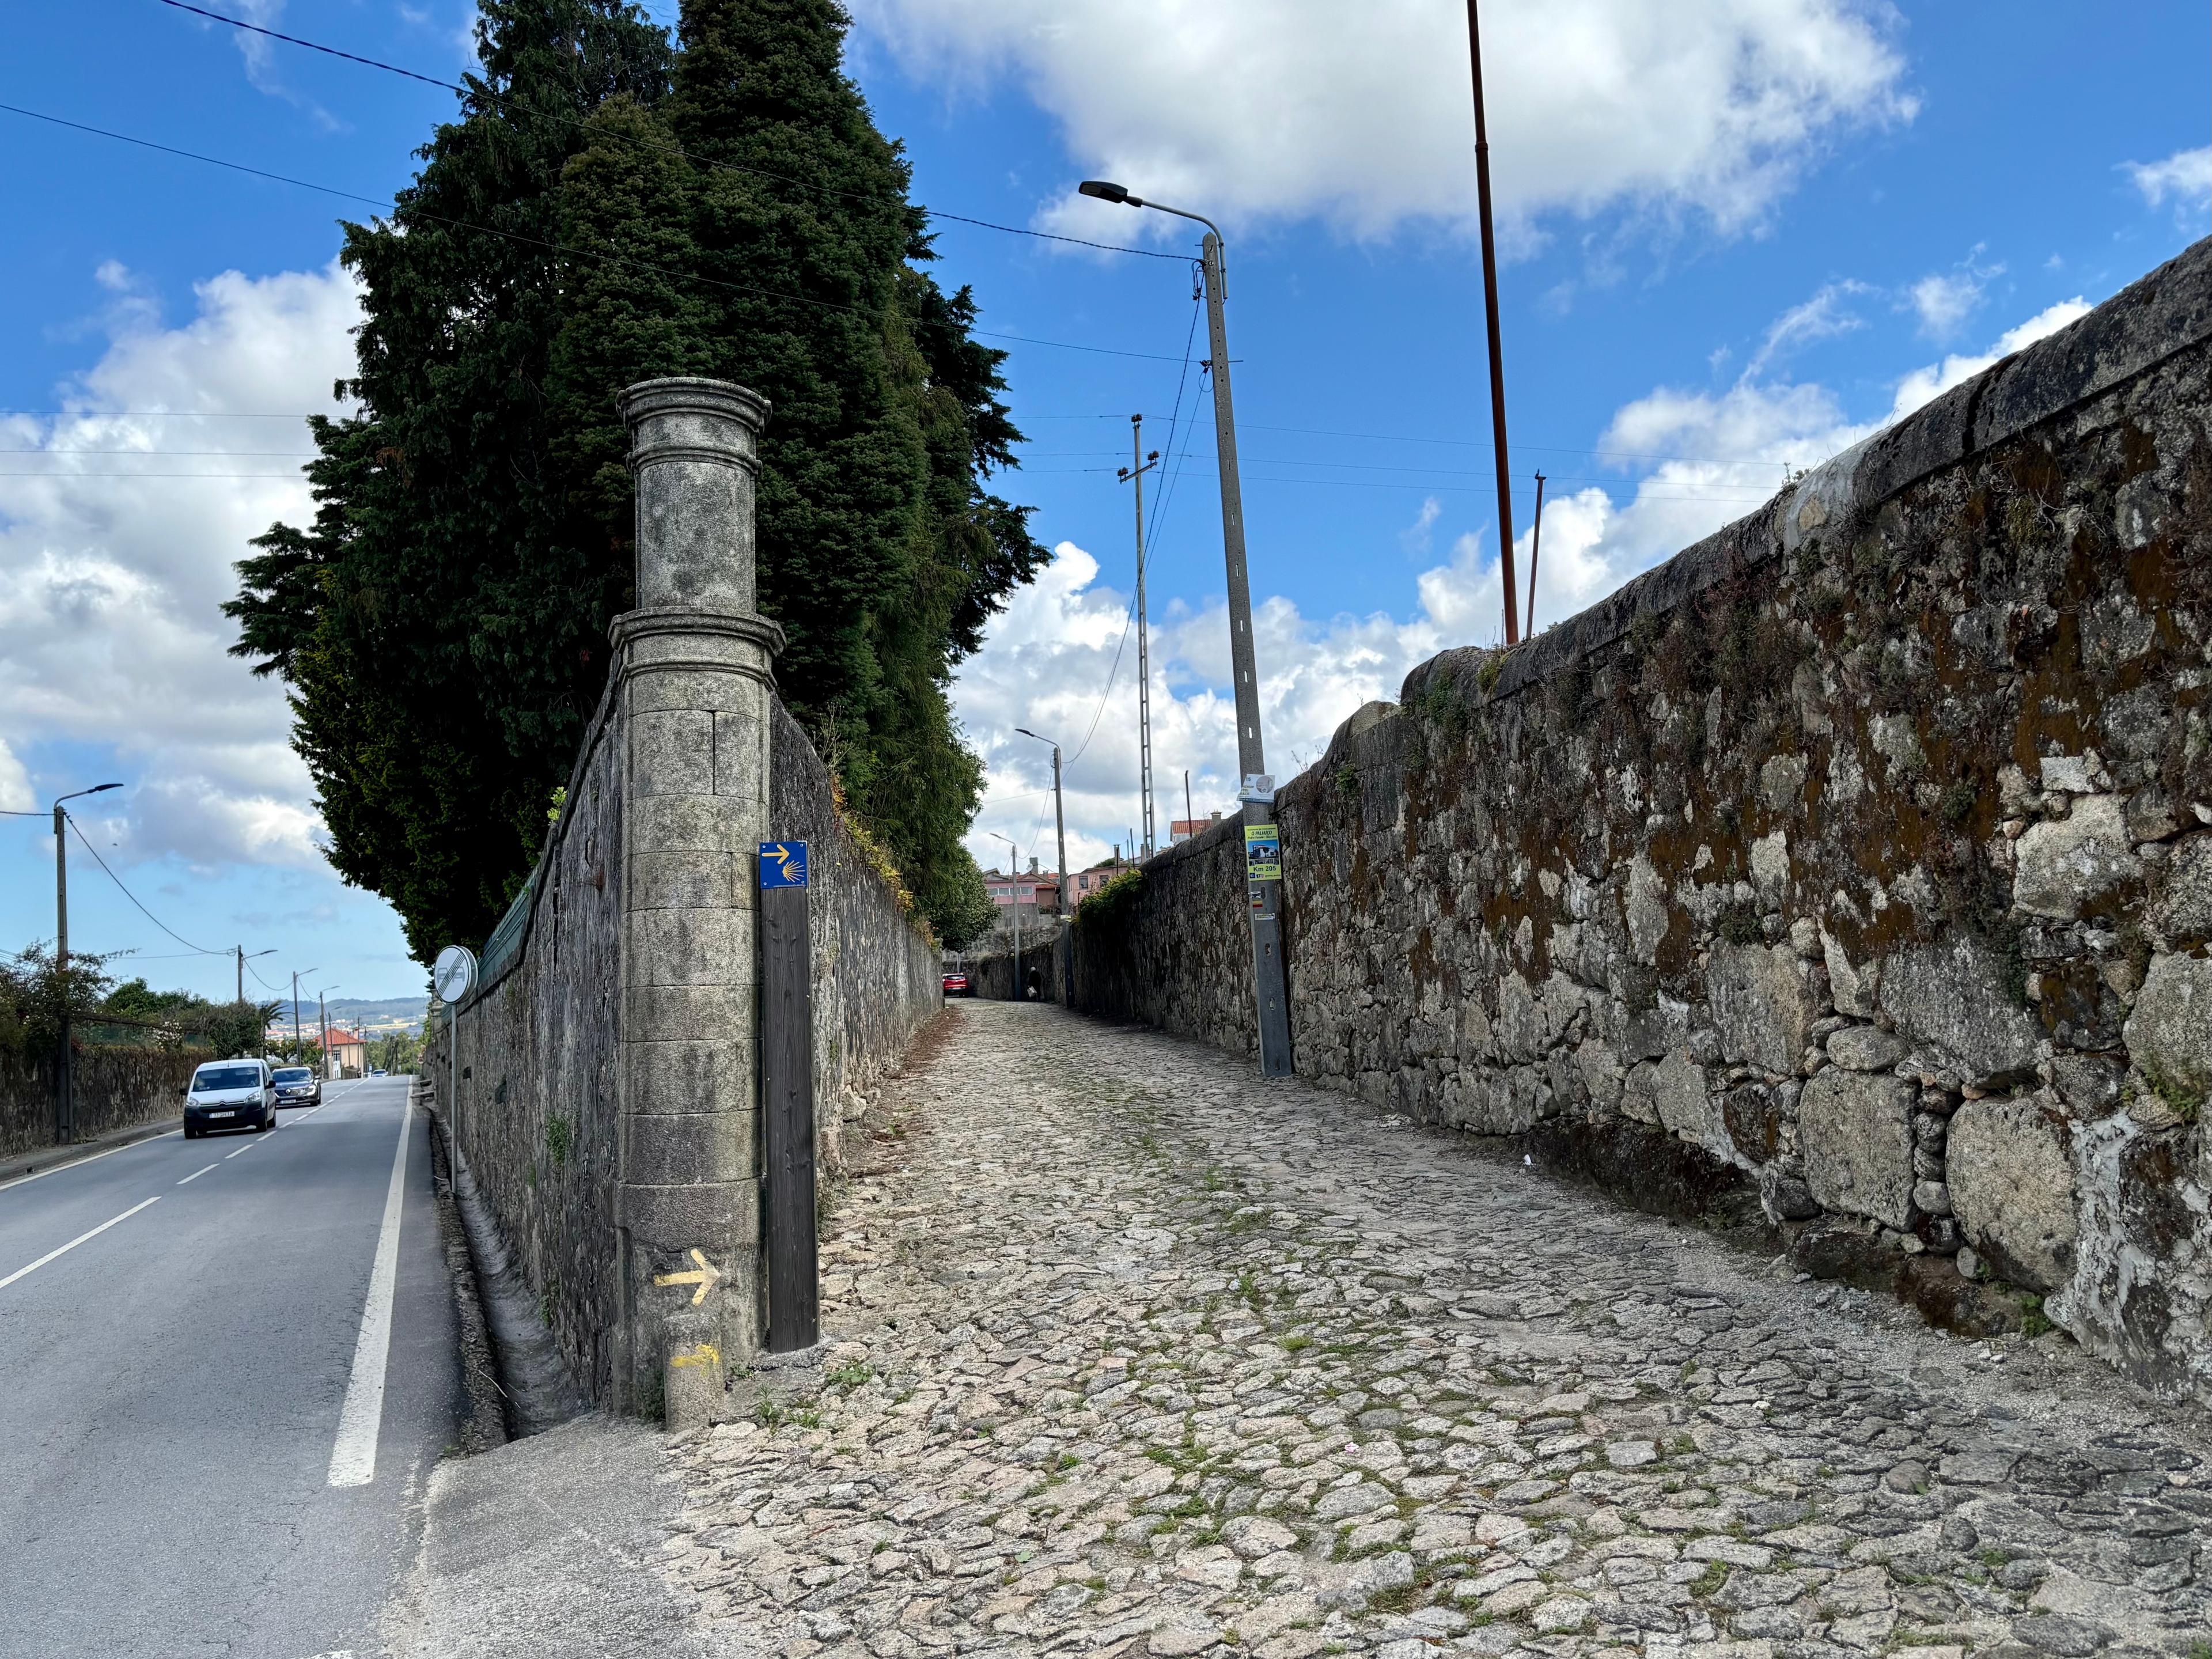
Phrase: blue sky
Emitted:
{"points": [[1738, 236]]}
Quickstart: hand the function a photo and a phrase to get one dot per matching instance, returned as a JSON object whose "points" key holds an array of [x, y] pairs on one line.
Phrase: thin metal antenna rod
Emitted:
{"points": [[1535, 551]]}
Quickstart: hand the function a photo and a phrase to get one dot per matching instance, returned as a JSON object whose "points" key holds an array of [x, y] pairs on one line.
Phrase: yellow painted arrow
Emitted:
{"points": [[706, 1278]]}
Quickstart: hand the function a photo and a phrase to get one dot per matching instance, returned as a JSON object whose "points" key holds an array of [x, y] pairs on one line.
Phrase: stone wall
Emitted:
{"points": [[538, 1114], [608, 1090], [116, 1087], [1042, 962], [1862, 854], [876, 973]]}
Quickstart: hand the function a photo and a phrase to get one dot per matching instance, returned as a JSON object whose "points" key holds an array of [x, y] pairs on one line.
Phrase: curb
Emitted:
{"points": [[55, 1157]]}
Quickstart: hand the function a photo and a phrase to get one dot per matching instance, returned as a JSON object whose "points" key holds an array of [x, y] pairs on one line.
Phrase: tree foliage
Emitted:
{"points": [[607, 208]]}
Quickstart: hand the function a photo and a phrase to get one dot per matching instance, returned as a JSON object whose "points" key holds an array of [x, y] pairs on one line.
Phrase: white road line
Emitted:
{"points": [[196, 1174], [24, 1272], [76, 1162], [353, 1459], [248, 1147]]}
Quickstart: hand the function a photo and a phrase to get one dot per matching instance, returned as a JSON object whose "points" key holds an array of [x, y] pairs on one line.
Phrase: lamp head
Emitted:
{"points": [[100, 788], [1106, 193]]}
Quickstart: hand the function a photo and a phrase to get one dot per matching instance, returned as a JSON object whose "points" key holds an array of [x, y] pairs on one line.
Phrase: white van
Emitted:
{"points": [[230, 1094]]}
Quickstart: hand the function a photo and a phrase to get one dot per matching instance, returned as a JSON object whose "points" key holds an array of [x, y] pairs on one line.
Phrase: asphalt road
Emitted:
{"points": [[209, 1443]]}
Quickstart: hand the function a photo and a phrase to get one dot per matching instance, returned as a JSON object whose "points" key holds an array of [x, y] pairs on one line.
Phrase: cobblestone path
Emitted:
{"points": [[1129, 1353]]}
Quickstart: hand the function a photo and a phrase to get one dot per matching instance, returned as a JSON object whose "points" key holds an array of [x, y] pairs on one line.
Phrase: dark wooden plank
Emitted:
{"points": [[787, 1103]]}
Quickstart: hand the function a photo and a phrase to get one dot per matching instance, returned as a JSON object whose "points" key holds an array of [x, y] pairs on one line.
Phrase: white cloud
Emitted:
{"points": [[1705, 459], [1416, 536], [1823, 317], [2184, 178], [1360, 115], [118, 536], [15, 792], [1945, 298]]}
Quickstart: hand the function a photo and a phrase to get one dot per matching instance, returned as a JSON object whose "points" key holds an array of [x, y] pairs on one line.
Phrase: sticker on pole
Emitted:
{"points": [[783, 864], [1263, 853]]}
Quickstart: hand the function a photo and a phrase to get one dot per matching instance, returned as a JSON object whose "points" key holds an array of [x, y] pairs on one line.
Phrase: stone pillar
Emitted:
{"points": [[696, 666]]}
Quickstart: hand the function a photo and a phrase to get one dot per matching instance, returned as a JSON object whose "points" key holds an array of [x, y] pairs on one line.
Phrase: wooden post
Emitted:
{"points": [[786, 1039]]}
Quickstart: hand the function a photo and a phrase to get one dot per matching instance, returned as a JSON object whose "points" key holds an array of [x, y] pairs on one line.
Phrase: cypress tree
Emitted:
{"points": [[441, 622]]}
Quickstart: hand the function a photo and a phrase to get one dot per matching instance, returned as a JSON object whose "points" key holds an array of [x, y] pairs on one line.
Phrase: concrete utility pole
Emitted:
{"points": [[295, 1014], [322, 1023], [1014, 864], [65, 1069], [1270, 981], [1497, 351], [1059, 828], [1139, 464]]}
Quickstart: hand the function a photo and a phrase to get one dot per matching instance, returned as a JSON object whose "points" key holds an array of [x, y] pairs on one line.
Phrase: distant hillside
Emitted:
{"points": [[392, 1013]]}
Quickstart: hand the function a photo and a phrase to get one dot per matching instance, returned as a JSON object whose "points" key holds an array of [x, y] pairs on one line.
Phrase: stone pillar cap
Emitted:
{"points": [[692, 394]]}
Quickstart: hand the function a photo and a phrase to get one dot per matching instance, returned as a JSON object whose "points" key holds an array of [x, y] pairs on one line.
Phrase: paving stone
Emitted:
{"points": [[1127, 1345]]}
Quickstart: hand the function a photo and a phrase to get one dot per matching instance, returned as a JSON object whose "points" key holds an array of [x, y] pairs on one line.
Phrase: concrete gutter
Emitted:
{"points": [[539, 1393]]}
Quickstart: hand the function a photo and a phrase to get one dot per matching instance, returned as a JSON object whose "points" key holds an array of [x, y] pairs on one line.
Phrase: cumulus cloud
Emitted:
{"points": [[1705, 457], [1360, 115], [2184, 178], [119, 529], [16, 793], [1944, 300], [1823, 317]]}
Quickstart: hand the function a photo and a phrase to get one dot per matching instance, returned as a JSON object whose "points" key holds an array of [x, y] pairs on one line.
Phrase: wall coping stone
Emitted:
{"points": [[2151, 320]]}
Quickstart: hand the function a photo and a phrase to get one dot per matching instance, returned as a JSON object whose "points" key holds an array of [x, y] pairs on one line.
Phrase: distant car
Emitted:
{"points": [[230, 1094], [376, 1070], [955, 985], [297, 1086]]}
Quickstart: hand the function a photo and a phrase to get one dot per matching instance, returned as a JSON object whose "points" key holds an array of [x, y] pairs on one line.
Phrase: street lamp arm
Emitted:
{"points": [[98, 788], [1183, 213], [1106, 191]]}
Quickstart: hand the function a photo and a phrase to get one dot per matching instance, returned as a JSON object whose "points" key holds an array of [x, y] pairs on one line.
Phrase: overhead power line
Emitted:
{"points": [[201, 949], [386, 202], [512, 105]]}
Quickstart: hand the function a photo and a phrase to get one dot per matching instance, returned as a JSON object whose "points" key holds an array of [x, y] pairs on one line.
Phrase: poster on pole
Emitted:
{"points": [[1263, 853]]}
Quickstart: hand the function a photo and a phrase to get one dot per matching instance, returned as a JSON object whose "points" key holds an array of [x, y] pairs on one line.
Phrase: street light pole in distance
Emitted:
{"points": [[1059, 827], [1139, 464], [65, 1098], [242, 960], [323, 1020], [1270, 982], [295, 1011], [1014, 860]]}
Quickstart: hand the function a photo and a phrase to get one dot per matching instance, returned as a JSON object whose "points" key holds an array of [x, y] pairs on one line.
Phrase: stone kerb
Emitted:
{"points": [[696, 669]]}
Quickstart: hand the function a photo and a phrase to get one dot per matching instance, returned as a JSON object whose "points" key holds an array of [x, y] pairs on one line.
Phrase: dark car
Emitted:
{"points": [[297, 1086], [230, 1094], [955, 985]]}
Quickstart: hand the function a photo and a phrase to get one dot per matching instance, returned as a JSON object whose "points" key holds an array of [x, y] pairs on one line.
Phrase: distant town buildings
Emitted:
{"points": [[348, 1053], [1027, 893], [1182, 830]]}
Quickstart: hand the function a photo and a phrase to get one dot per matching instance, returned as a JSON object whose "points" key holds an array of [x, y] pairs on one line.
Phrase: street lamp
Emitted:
{"points": [[243, 957], [296, 1010], [65, 1098], [1060, 824], [1257, 791], [323, 1022], [1014, 862]]}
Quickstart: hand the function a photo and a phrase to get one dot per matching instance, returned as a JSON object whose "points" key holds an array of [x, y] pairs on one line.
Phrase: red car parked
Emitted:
{"points": [[955, 985]]}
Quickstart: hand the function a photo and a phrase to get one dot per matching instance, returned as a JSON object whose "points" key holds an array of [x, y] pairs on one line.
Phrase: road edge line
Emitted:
{"points": [[353, 1455]]}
